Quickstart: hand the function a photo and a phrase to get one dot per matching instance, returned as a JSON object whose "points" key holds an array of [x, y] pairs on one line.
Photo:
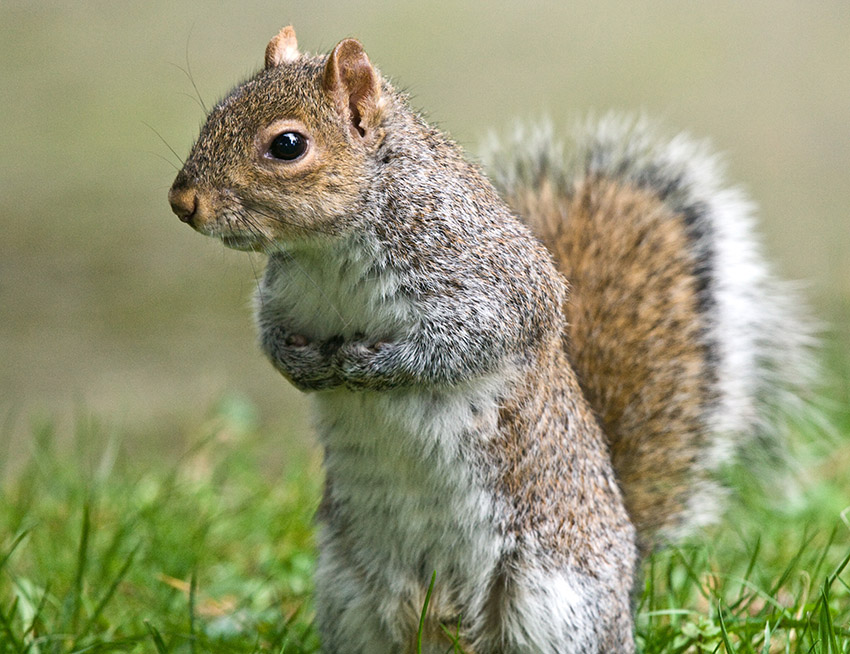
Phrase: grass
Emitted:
{"points": [[210, 554], [206, 556]]}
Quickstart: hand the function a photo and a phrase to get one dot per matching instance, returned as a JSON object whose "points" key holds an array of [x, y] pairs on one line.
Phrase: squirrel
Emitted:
{"points": [[521, 386]]}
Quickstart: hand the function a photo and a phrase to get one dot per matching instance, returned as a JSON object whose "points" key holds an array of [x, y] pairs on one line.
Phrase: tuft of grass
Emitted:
{"points": [[209, 554]]}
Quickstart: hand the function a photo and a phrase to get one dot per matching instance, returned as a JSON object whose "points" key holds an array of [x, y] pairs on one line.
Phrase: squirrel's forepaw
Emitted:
{"points": [[308, 365], [366, 366]]}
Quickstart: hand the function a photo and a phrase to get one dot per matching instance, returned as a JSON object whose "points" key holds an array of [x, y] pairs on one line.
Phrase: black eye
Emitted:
{"points": [[288, 146]]}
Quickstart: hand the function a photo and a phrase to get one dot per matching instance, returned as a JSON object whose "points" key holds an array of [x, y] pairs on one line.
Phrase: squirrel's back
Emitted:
{"points": [[681, 340]]}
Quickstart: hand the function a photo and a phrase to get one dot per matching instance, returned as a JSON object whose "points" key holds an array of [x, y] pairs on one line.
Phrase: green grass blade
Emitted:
{"points": [[193, 590], [766, 645], [6, 624], [826, 629], [792, 565], [73, 601], [30, 614], [424, 611], [742, 594], [724, 635], [454, 638], [107, 596], [157, 639], [15, 543], [693, 574], [838, 570], [816, 569]]}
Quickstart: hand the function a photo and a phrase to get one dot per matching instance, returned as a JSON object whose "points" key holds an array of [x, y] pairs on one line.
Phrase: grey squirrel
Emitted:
{"points": [[522, 387]]}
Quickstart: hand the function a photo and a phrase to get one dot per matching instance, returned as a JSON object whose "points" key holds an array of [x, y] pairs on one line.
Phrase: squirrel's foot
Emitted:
{"points": [[308, 365]]}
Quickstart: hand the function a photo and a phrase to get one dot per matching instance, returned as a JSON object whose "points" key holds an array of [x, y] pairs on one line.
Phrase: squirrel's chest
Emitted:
{"points": [[341, 291]]}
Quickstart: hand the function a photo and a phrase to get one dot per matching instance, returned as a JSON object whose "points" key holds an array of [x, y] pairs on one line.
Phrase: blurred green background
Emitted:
{"points": [[109, 303]]}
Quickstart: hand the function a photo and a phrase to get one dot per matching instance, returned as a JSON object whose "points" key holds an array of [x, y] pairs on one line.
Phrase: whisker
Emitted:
{"points": [[257, 281], [188, 72], [248, 220], [278, 219], [193, 98], [161, 138], [165, 159]]}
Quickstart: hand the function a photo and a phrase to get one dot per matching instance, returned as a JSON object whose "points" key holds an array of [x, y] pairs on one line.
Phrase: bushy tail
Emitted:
{"points": [[684, 344]]}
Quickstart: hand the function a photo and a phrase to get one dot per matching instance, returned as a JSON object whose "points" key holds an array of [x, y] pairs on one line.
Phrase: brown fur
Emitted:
{"points": [[634, 333], [553, 463]]}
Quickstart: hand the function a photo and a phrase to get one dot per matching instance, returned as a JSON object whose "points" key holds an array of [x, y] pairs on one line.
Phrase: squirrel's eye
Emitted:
{"points": [[288, 146]]}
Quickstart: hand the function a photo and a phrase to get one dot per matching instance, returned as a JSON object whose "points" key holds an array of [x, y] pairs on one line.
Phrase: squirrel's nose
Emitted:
{"points": [[184, 203]]}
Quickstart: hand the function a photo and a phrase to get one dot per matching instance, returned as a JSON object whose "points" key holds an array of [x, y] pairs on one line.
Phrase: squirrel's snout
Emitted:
{"points": [[184, 203]]}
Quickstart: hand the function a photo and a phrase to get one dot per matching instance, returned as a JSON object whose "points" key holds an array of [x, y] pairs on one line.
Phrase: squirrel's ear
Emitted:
{"points": [[354, 86], [283, 48]]}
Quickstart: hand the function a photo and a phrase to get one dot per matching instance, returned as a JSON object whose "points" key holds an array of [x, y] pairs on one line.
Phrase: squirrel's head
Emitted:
{"points": [[284, 155]]}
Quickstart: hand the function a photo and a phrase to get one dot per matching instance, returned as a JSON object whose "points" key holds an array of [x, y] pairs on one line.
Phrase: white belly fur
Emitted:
{"points": [[403, 468]]}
